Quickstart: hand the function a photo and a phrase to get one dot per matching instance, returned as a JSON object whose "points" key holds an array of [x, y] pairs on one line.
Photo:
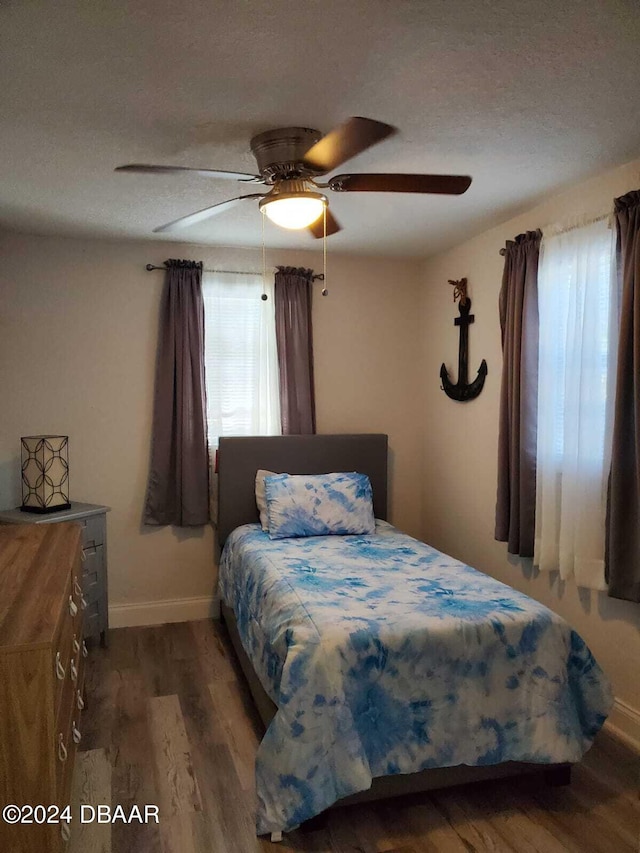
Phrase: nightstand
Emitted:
{"points": [[92, 518]]}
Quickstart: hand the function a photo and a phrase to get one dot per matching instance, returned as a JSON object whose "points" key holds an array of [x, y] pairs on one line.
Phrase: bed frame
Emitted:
{"points": [[238, 461]]}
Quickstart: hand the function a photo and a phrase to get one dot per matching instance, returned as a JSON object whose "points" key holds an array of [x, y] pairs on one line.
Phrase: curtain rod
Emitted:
{"points": [[151, 267], [555, 230]]}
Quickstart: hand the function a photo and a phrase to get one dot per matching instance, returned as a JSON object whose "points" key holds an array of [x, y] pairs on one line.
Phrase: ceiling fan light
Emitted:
{"points": [[295, 211]]}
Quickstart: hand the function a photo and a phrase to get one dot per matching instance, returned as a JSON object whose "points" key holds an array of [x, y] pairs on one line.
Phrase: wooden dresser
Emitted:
{"points": [[92, 518], [42, 657]]}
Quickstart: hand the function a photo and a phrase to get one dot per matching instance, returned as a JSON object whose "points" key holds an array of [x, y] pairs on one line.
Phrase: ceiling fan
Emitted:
{"points": [[290, 160]]}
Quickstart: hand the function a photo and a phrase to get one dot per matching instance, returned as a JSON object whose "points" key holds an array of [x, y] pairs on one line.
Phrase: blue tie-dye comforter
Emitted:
{"points": [[386, 656]]}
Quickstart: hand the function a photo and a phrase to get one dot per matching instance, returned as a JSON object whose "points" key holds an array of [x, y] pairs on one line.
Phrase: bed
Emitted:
{"points": [[379, 665]]}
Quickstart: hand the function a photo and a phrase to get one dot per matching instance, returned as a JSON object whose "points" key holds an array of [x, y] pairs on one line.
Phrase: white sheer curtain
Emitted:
{"points": [[241, 361], [578, 308]]}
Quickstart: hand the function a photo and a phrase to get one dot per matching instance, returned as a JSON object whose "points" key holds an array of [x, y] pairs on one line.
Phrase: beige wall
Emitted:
{"points": [[78, 322], [460, 439]]}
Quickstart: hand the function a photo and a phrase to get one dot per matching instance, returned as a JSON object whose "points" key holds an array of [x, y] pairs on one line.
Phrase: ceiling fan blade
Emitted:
{"points": [[205, 213], [368, 183], [317, 228], [206, 173], [344, 142]]}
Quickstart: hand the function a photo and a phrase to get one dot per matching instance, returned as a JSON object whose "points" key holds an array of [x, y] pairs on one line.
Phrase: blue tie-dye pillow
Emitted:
{"points": [[319, 505]]}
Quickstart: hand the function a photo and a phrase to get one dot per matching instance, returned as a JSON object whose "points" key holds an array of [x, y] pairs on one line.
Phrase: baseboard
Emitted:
{"points": [[159, 612], [624, 723]]}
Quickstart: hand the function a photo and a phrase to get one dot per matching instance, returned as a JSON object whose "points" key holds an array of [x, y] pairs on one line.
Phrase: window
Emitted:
{"points": [[241, 363], [577, 352]]}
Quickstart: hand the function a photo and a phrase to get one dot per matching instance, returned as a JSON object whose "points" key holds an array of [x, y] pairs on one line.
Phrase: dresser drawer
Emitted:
{"points": [[73, 668], [75, 736], [70, 633], [61, 648], [94, 619], [93, 573], [68, 733], [92, 531]]}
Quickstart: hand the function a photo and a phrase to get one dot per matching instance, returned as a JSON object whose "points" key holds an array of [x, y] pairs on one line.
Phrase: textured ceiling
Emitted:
{"points": [[525, 97]]}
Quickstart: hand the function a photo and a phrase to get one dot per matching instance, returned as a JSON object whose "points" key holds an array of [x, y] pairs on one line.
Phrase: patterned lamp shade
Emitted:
{"points": [[45, 473]]}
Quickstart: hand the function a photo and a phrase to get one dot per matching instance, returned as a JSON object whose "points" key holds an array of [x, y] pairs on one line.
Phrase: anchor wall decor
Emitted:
{"points": [[463, 390]]}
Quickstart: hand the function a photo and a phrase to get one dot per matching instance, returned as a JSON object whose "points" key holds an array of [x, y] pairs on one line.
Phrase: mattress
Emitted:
{"points": [[386, 656]]}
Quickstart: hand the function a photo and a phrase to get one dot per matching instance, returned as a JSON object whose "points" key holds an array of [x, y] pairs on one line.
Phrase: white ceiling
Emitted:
{"points": [[525, 97]]}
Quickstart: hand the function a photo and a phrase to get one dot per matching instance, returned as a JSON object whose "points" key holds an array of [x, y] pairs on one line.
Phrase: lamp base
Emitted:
{"points": [[44, 510]]}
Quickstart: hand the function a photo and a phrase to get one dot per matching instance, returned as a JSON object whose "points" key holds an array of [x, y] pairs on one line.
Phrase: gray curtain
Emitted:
{"points": [[178, 487], [294, 336], [622, 563], [518, 304]]}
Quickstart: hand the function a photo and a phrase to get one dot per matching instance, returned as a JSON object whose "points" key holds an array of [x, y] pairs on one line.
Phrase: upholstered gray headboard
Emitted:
{"points": [[240, 458]]}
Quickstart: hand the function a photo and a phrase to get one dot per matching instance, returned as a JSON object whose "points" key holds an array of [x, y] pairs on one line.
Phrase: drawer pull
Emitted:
{"points": [[62, 749], [76, 586], [85, 651], [73, 607], [77, 737], [76, 645], [59, 668], [65, 831], [79, 701], [74, 671], [83, 602]]}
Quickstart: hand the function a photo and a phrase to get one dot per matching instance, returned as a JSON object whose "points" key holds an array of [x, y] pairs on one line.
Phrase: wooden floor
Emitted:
{"points": [[170, 723]]}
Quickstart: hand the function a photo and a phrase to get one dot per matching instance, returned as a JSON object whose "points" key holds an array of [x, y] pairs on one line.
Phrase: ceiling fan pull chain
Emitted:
{"points": [[324, 251], [264, 296]]}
